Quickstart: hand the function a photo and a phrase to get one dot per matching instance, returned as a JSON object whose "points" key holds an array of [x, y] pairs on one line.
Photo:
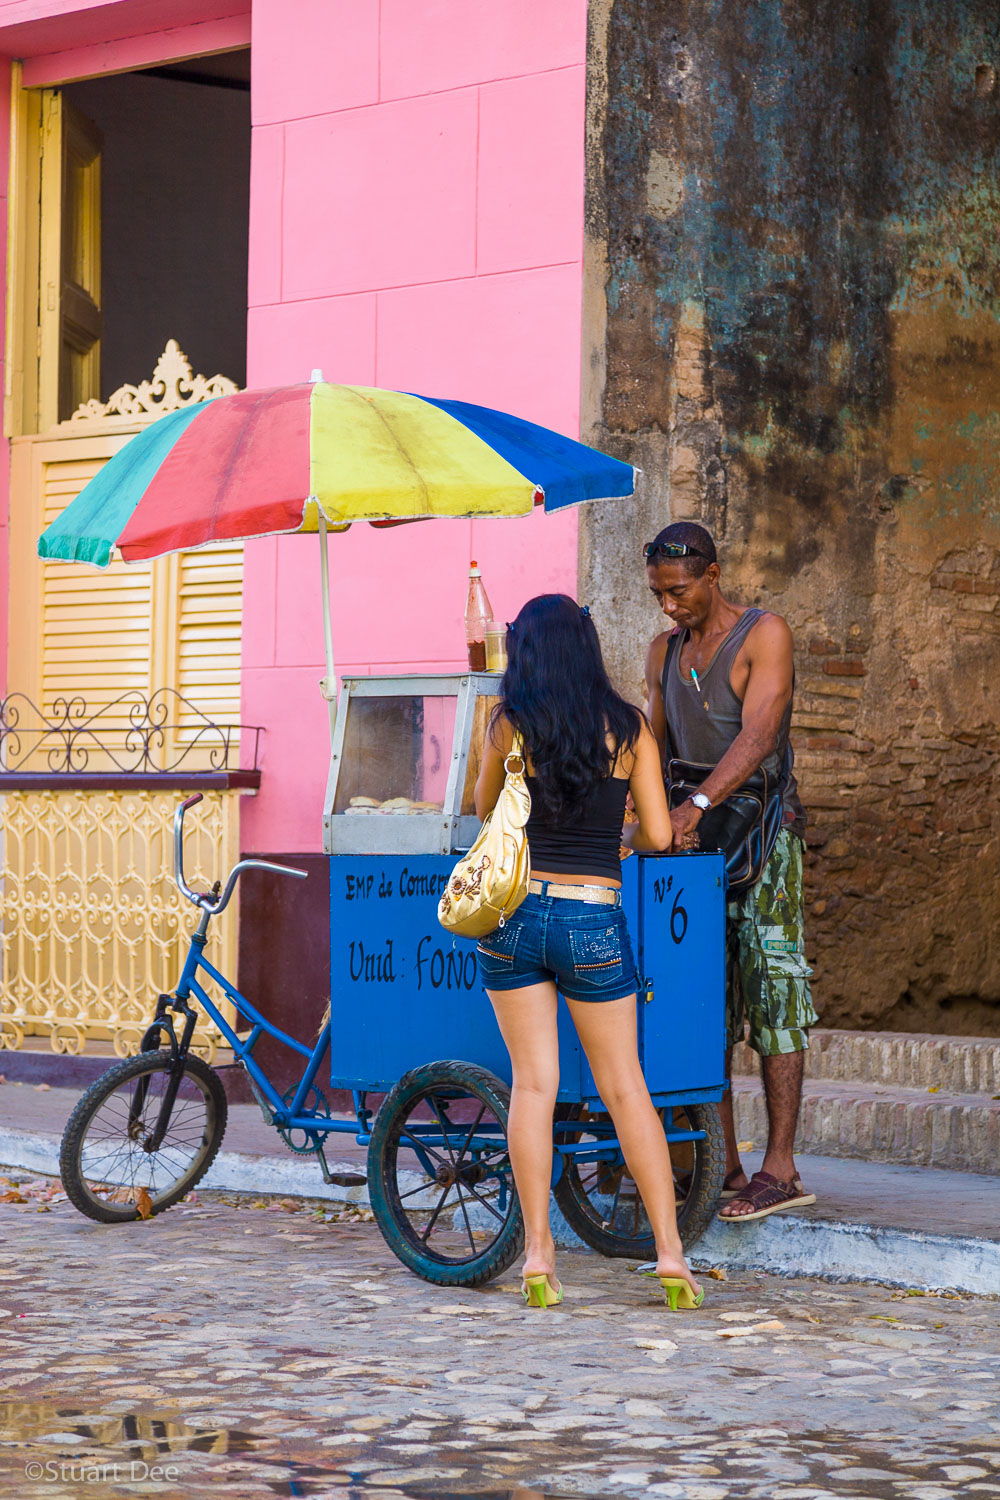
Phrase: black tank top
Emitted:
{"points": [[589, 844], [704, 720]]}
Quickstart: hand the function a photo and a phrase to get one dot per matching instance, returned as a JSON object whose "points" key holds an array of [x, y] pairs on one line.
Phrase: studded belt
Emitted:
{"points": [[600, 895]]}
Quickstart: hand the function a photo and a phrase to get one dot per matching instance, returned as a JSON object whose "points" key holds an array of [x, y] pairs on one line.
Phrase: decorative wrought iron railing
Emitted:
{"points": [[132, 734], [92, 926]]}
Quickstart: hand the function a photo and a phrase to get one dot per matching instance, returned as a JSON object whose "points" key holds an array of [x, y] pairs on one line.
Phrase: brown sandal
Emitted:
{"points": [[766, 1195]]}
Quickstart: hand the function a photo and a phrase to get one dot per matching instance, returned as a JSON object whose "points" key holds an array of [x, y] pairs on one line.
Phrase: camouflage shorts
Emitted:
{"points": [[767, 977]]}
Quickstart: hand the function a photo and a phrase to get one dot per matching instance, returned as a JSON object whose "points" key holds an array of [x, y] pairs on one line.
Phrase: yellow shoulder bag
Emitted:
{"points": [[491, 881]]}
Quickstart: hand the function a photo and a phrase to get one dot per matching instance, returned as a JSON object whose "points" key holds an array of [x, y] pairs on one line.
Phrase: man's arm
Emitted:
{"points": [[768, 692]]}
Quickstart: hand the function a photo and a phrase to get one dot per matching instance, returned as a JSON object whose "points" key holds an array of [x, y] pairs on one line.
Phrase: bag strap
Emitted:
{"points": [[673, 645], [516, 752]]}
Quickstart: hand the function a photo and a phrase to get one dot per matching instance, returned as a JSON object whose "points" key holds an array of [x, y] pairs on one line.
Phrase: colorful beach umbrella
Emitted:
{"points": [[318, 457], [286, 460]]}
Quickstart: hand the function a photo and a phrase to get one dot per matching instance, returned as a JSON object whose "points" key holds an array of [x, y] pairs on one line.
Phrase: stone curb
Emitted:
{"points": [[232, 1171], [790, 1245], [786, 1245]]}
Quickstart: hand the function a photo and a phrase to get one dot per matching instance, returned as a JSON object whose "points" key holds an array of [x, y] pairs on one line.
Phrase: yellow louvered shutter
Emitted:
{"points": [[96, 639], [209, 603], [124, 631]]}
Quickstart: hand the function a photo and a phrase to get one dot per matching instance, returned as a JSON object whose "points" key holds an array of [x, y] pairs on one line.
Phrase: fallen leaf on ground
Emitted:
{"points": [[12, 1196], [144, 1204], [717, 1273], [43, 1088], [744, 1145]]}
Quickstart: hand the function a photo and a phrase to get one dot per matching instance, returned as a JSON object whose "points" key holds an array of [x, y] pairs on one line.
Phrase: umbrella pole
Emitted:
{"points": [[328, 684]]}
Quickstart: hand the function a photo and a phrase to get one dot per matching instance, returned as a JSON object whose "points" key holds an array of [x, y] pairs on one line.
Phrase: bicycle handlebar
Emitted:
{"points": [[213, 908]]}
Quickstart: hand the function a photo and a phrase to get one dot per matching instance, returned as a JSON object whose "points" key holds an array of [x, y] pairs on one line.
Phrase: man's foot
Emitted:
{"points": [[733, 1183], [765, 1195]]}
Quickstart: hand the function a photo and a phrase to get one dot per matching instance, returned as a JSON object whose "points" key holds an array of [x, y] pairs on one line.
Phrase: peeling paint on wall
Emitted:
{"points": [[794, 298]]}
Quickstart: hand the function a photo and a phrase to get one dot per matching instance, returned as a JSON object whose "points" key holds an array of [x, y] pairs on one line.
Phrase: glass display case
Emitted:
{"points": [[403, 767]]}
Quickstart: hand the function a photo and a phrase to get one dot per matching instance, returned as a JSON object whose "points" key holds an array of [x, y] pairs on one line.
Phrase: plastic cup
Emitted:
{"points": [[496, 648]]}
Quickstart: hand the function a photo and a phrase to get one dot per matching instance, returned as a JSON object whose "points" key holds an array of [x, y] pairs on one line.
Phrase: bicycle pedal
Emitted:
{"points": [[339, 1179]]}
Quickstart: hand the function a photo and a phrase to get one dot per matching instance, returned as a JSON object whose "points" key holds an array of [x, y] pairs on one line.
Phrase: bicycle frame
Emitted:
{"points": [[288, 1116]]}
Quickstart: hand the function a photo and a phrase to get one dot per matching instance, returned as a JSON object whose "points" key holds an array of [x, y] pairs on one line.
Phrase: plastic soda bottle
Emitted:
{"points": [[478, 614]]}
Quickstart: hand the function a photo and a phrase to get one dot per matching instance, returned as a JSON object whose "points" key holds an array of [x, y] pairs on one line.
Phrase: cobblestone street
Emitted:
{"points": [[266, 1348]]}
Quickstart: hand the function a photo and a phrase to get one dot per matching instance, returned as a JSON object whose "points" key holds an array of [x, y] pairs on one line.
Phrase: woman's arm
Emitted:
{"points": [[489, 784], [648, 797]]}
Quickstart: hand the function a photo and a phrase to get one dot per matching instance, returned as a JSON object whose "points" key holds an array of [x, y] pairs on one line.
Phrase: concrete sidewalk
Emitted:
{"points": [[912, 1226]]}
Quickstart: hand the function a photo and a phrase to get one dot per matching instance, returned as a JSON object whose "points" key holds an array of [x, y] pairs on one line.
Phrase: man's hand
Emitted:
{"points": [[684, 822]]}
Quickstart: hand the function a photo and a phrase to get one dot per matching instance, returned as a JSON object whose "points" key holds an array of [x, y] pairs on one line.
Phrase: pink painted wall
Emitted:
{"points": [[416, 223], [60, 41], [4, 444]]}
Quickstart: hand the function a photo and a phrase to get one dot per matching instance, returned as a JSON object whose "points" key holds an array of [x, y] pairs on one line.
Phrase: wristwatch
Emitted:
{"points": [[700, 801]]}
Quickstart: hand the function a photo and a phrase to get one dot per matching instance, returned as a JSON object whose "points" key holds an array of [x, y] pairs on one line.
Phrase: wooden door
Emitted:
{"points": [[70, 320]]}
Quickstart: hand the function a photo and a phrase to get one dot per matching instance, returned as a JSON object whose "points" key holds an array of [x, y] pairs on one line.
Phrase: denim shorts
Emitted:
{"points": [[581, 945]]}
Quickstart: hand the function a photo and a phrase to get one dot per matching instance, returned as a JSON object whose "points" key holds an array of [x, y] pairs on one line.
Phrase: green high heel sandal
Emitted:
{"points": [[677, 1291], [537, 1291]]}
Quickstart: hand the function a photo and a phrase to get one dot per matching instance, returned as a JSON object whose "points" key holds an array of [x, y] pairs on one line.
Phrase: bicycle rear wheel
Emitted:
{"points": [[600, 1199], [106, 1161]]}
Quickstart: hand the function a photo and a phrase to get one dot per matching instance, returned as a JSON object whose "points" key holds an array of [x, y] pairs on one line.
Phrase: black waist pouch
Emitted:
{"points": [[744, 827]]}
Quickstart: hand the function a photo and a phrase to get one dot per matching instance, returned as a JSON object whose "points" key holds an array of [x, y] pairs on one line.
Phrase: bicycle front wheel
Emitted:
{"points": [[439, 1176], [109, 1169]]}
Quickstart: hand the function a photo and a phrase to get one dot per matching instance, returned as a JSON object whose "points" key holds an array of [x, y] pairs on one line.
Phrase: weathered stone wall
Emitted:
{"points": [[793, 312]]}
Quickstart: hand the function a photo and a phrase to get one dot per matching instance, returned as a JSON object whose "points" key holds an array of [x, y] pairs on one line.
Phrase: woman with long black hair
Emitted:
{"points": [[585, 750]]}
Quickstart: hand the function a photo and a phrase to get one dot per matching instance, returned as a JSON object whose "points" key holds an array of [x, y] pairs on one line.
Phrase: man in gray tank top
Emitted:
{"points": [[721, 679]]}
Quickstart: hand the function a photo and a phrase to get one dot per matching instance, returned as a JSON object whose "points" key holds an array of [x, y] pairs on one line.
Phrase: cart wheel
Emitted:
{"points": [[103, 1161], [601, 1202], [439, 1176]]}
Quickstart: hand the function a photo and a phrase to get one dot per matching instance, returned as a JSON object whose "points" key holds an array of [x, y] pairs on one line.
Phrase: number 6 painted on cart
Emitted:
{"points": [[678, 911]]}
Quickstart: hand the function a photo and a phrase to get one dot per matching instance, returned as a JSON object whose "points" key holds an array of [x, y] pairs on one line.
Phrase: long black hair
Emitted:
{"points": [[556, 691]]}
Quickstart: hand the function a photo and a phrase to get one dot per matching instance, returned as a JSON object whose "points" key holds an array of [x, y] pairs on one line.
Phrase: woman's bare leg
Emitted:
{"points": [[607, 1030], [527, 1020]]}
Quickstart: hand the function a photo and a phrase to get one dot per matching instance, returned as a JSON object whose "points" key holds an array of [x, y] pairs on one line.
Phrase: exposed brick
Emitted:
{"points": [[839, 667], [963, 583], [831, 689], [839, 742], [822, 646]]}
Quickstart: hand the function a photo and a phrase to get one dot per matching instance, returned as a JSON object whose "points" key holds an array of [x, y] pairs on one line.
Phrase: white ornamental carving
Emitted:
{"points": [[173, 385]]}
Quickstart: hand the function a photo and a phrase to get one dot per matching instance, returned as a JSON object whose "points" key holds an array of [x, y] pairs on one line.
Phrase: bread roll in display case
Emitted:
{"points": [[404, 762]]}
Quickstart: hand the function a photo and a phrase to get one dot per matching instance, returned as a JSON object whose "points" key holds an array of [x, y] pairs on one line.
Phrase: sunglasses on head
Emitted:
{"points": [[671, 549]]}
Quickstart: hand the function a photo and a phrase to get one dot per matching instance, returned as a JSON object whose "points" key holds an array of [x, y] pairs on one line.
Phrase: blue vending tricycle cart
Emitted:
{"points": [[411, 1033], [407, 1003]]}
